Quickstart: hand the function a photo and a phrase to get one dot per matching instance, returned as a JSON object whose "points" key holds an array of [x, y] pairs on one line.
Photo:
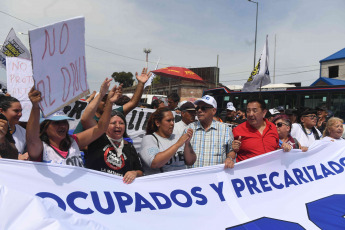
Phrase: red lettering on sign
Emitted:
{"points": [[67, 38], [64, 69], [50, 92], [47, 43]]}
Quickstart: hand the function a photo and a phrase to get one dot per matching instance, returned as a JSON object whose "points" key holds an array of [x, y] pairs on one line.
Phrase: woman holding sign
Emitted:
{"points": [[161, 150], [50, 142], [11, 108]]}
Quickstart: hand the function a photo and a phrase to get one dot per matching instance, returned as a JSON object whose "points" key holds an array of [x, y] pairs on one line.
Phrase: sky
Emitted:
{"points": [[191, 34]]}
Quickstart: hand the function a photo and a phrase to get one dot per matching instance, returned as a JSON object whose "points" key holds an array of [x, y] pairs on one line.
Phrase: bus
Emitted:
{"points": [[290, 98]]}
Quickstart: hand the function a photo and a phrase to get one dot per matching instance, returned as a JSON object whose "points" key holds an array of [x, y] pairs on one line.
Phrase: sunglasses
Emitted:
{"points": [[280, 124], [311, 116], [203, 108]]}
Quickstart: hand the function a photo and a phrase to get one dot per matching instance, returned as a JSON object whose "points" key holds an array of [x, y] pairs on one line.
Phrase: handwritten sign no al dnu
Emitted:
{"points": [[59, 68]]}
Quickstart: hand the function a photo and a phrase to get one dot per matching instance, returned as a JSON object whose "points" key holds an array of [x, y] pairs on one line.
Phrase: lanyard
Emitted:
{"points": [[118, 149]]}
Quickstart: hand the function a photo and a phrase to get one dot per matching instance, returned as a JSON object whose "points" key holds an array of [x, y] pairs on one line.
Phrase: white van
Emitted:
{"points": [[148, 98]]}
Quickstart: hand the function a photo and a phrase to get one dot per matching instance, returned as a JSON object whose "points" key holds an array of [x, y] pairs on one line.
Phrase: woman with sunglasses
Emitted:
{"points": [[161, 150], [305, 131], [286, 142]]}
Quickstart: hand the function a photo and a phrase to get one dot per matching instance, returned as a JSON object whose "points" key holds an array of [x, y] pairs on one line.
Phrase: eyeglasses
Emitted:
{"points": [[311, 116], [280, 124], [203, 108]]}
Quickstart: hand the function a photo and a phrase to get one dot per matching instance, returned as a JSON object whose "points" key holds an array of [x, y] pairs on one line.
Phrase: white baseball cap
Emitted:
{"points": [[208, 100], [230, 106]]}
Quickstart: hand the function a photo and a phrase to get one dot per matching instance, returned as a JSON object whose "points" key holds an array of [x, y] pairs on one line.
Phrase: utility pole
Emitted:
{"points": [[256, 28], [147, 51]]}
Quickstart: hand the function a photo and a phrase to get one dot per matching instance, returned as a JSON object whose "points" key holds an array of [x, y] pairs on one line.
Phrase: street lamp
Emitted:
{"points": [[147, 51], [256, 27]]}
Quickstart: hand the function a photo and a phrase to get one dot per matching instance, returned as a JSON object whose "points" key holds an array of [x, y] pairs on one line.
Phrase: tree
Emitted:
{"points": [[122, 77]]}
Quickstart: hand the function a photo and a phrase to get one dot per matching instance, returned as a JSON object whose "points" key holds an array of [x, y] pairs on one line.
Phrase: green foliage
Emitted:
{"points": [[156, 80], [125, 78]]}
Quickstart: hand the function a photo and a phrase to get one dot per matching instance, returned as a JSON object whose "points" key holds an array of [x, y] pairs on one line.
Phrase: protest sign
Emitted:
{"points": [[277, 190], [12, 47], [59, 68], [19, 83]]}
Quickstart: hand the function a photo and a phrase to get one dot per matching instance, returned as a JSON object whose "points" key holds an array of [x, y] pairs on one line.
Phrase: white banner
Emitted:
{"points": [[19, 83], [260, 76], [277, 190], [12, 47], [59, 68]]}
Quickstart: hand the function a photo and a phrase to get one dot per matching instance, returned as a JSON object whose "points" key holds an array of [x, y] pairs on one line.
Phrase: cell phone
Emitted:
{"points": [[8, 134]]}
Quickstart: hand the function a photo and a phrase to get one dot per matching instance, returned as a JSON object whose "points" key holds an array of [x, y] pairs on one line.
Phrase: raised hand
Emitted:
{"points": [[35, 96], [105, 87], [144, 76], [114, 94]]}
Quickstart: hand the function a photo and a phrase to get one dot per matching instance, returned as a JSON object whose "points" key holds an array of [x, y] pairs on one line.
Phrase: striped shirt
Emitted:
{"points": [[210, 146]]}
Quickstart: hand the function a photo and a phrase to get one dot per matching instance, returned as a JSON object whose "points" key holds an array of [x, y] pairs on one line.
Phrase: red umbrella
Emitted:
{"points": [[178, 73]]}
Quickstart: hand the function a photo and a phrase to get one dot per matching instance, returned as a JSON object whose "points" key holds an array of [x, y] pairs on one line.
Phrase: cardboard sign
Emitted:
{"points": [[19, 77], [19, 83], [13, 47], [59, 68]]}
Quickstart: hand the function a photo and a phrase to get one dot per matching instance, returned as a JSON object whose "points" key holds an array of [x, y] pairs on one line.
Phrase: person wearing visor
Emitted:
{"points": [[305, 131], [188, 114], [211, 140], [49, 141]]}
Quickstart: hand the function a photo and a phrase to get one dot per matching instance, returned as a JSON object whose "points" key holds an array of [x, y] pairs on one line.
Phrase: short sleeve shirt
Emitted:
{"points": [[253, 143], [210, 146]]}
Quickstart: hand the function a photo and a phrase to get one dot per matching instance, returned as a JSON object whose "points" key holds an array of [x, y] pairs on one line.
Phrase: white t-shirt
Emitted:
{"points": [[179, 128], [19, 137], [303, 139], [51, 155], [149, 149]]}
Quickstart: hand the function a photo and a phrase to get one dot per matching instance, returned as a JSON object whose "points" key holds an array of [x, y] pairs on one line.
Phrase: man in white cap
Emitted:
{"points": [[211, 141], [231, 114], [188, 113]]}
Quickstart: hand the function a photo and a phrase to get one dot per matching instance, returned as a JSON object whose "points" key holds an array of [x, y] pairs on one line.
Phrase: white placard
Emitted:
{"points": [[59, 68], [19, 83]]}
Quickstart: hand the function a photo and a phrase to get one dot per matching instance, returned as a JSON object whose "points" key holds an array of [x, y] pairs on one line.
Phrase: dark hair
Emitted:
{"points": [[158, 115], [65, 144], [306, 111], [122, 100], [114, 113], [175, 97], [258, 100], [155, 103], [283, 117], [6, 102]]}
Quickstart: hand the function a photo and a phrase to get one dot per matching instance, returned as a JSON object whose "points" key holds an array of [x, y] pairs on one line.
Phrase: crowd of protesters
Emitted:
{"points": [[199, 138]]}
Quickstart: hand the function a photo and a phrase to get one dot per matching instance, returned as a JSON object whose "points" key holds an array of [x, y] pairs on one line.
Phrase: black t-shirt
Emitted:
{"points": [[103, 157]]}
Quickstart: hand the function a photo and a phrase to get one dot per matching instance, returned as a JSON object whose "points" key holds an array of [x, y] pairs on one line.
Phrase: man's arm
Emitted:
{"points": [[142, 79], [189, 154]]}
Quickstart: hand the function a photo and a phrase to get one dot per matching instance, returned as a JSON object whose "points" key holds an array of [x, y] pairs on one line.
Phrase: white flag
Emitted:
{"points": [[13, 47], [260, 75], [149, 81]]}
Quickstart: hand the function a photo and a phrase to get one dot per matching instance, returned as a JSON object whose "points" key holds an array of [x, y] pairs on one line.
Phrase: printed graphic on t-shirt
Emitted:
{"points": [[112, 160]]}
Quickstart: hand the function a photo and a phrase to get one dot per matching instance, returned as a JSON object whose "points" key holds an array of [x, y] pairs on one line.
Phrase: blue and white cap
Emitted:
{"points": [[57, 116], [208, 100]]}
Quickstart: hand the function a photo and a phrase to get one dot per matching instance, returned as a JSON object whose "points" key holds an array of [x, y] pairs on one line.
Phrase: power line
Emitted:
{"points": [[91, 46]]}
